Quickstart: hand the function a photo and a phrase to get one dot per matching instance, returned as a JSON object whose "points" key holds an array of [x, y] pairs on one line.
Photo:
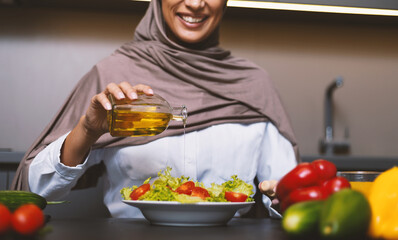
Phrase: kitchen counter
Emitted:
{"points": [[117, 229], [357, 163]]}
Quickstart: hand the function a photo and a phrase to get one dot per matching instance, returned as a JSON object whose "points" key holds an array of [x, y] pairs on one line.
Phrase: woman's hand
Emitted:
{"points": [[95, 119], [92, 125], [268, 188]]}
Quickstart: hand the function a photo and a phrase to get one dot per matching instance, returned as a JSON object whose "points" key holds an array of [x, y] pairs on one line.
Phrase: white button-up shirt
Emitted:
{"points": [[210, 155]]}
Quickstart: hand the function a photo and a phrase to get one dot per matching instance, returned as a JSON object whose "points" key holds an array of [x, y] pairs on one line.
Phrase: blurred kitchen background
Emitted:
{"points": [[47, 46]]}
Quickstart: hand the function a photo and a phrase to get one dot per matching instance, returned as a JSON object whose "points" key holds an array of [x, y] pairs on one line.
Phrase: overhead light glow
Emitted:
{"points": [[311, 8], [308, 7]]}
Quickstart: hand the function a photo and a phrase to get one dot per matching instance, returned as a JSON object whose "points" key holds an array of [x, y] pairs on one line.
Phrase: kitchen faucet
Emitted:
{"points": [[329, 146]]}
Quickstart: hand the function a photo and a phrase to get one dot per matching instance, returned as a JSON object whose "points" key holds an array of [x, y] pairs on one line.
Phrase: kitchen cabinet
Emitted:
{"points": [[9, 162]]}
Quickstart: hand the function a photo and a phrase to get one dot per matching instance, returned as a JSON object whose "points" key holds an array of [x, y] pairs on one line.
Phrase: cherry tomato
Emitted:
{"points": [[200, 192], [27, 219], [326, 170], [141, 190], [235, 197], [186, 188], [303, 175], [336, 184], [5, 219]]}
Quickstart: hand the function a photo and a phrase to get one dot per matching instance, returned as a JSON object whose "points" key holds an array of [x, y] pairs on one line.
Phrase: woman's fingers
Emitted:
{"points": [[268, 187], [102, 98], [121, 91], [143, 88], [115, 90], [275, 201], [128, 90], [125, 89], [132, 91]]}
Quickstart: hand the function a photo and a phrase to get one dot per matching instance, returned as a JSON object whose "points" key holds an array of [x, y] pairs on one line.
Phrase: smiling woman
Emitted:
{"points": [[237, 124], [192, 21]]}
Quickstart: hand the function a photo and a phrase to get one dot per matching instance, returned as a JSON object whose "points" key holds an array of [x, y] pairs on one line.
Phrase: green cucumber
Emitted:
{"points": [[302, 219], [345, 215], [14, 199]]}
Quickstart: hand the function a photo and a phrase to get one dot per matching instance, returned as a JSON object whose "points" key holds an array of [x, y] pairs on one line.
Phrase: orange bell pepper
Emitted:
{"points": [[383, 199]]}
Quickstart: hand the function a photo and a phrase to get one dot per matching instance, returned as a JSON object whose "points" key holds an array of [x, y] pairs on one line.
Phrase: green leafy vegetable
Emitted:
{"points": [[163, 189], [238, 185]]}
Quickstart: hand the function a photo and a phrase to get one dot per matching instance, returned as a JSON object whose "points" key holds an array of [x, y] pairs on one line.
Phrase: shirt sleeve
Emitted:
{"points": [[277, 158], [52, 179]]}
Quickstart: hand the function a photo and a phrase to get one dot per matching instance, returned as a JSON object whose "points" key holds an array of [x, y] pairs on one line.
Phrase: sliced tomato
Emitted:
{"points": [[141, 190], [200, 192], [170, 188], [186, 188], [235, 197]]}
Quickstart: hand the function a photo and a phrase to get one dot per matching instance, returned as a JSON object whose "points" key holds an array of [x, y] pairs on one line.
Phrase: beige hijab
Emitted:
{"points": [[215, 86]]}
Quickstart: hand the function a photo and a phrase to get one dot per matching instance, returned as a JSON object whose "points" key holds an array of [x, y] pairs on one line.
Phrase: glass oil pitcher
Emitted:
{"points": [[145, 116]]}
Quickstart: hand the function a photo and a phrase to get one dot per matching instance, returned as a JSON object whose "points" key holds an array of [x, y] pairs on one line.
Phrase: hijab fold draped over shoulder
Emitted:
{"points": [[215, 86]]}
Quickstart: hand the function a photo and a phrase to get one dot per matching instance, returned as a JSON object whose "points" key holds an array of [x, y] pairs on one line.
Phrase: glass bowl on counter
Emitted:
{"points": [[360, 180]]}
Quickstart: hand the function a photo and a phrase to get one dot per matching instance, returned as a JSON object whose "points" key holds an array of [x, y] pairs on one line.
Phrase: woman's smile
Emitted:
{"points": [[192, 21]]}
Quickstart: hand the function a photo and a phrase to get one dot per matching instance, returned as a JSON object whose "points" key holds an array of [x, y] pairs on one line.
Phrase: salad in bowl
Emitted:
{"points": [[183, 190], [178, 201]]}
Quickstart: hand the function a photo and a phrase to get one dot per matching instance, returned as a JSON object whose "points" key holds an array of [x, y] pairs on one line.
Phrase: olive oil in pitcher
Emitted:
{"points": [[145, 116]]}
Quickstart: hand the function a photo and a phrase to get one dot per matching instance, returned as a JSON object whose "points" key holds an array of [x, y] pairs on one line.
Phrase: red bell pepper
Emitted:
{"points": [[309, 181], [335, 184], [326, 170], [303, 175], [304, 194]]}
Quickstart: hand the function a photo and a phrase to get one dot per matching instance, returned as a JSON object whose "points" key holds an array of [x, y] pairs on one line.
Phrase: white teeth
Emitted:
{"points": [[191, 19]]}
